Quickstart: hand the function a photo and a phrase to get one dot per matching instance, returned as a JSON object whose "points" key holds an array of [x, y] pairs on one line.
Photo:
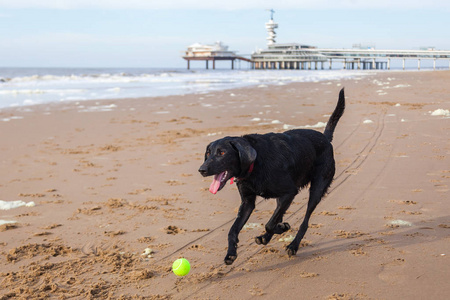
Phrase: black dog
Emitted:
{"points": [[274, 165]]}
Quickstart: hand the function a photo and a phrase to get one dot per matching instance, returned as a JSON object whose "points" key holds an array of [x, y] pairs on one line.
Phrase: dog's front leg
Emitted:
{"points": [[245, 210]]}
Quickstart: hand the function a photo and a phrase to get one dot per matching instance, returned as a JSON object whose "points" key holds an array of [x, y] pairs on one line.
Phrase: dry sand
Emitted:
{"points": [[112, 178]]}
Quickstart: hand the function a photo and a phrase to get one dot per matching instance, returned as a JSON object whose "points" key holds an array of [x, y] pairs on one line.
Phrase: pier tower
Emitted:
{"points": [[270, 26]]}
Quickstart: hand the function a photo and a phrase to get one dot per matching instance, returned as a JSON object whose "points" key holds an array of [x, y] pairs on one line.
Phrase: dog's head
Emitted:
{"points": [[226, 158]]}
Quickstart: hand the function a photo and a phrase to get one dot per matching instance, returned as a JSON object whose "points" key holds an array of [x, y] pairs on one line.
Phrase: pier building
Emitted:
{"points": [[298, 56], [207, 53]]}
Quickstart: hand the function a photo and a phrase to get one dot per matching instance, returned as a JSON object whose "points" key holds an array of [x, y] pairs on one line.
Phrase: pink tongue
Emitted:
{"points": [[215, 185]]}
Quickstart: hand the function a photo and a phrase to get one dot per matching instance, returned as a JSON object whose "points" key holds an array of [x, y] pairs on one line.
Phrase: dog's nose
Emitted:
{"points": [[203, 171]]}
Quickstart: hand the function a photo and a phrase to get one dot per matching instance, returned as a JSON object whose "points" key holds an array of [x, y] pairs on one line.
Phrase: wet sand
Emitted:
{"points": [[112, 178]]}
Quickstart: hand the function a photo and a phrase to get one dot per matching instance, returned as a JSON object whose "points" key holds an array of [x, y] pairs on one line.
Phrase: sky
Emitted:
{"points": [[154, 33]]}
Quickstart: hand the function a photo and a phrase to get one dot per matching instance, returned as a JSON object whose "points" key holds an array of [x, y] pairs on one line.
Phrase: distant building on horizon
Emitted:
{"points": [[300, 56], [217, 51], [305, 57]]}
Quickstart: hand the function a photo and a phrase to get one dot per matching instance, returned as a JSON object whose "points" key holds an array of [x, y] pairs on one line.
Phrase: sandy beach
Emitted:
{"points": [[112, 178]]}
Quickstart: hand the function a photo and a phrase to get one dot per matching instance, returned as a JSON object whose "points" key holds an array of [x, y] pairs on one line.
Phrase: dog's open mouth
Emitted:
{"points": [[219, 182]]}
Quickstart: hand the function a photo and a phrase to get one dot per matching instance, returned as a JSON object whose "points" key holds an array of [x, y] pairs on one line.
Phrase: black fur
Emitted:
{"points": [[274, 165]]}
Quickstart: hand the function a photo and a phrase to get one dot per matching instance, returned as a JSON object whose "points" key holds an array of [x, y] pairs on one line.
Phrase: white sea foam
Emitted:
{"points": [[441, 112], [12, 118], [7, 205], [400, 223], [54, 85], [318, 125], [110, 107], [2, 222]]}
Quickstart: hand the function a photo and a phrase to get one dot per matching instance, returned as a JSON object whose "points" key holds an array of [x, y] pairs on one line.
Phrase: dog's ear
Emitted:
{"points": [[247, 154]]}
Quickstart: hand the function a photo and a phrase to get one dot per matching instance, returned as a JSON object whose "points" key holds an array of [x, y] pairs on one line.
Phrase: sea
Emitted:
{"points": [[31, 86]]}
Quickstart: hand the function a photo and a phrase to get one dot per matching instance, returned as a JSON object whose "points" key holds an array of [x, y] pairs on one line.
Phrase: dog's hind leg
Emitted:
{"points": [[319, 186], [245, 210], [275, 224]]}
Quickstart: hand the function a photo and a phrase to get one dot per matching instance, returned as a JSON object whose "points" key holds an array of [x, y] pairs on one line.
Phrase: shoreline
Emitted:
{"points": [[26, 91], [110, 184], [62, 103]]}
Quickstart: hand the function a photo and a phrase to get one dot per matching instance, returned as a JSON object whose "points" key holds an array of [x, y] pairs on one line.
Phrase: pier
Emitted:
{"points": [[304, 57], [294, 56], [214, 58]]}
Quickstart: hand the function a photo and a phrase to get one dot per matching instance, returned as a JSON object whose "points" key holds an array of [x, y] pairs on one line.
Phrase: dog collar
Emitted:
{"points": [[250, 170]]}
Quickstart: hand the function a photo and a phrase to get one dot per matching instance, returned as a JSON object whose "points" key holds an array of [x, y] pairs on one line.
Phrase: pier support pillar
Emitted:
{"points": [[189, 64], [434, 64], [331, 63], [309, 65], [321, 65], [403, 64], [207, 67], [359, 64], [418, 64], [389, 64], [232, 64], [373, 64], [344, 66]]}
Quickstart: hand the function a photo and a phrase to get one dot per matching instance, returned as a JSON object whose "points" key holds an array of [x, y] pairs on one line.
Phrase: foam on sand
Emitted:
{"points": [[3, 222], [7, 205], [441, 112], [317, 125]]}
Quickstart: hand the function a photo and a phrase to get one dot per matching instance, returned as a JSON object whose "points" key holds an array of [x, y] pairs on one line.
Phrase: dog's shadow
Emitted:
{"points": [[419, 233]]}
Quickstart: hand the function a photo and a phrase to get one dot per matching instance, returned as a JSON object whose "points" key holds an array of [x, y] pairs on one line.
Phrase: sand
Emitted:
{"points": [[118, 197]]}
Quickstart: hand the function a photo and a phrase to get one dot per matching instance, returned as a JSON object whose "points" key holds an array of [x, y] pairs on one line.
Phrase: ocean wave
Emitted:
{"points": [[39, 91], [22, 87]]}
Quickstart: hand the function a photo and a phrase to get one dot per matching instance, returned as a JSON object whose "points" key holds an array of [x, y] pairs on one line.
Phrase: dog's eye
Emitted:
{"points": [[221, 153], [208, 154]]}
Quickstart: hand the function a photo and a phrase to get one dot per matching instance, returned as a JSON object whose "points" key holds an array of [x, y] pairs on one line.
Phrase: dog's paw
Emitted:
{"points": [[262, 240], [229, 259], [291, 250], [282, 228]]}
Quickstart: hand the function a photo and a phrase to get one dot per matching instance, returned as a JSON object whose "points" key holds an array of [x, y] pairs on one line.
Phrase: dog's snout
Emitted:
{"points": [[203, 170]]}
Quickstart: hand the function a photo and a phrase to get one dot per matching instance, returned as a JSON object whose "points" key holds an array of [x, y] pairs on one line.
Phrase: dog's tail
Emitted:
{"points": [[337, 114]]}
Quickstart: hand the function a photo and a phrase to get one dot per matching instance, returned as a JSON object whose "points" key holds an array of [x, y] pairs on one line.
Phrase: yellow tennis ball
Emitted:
{"points": [[181, 267]]}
